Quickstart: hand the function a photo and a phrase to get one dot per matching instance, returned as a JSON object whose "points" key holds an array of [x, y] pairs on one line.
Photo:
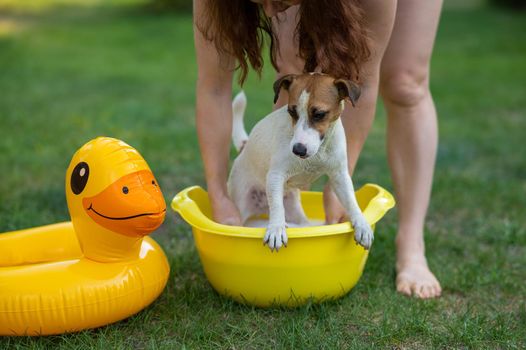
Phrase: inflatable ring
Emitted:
{"points": [[97, 269], [319, 263]]}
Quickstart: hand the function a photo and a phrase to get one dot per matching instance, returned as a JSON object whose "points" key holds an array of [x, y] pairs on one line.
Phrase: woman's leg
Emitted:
{"points": [[380, 16], [411, 136], [413, 274]]}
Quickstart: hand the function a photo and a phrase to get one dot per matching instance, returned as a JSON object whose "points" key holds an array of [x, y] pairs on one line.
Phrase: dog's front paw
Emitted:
{"points": [[363, 234], [275, 237]]}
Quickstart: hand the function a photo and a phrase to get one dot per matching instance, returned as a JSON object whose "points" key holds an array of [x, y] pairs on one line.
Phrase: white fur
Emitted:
{"points": [[266, 177]]}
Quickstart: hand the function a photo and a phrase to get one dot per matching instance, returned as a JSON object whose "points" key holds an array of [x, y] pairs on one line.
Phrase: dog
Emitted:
{"points": [[289, 149]]}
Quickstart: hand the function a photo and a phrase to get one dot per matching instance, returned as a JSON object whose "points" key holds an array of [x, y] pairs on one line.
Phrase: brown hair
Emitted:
{"points": [[331, 34]]}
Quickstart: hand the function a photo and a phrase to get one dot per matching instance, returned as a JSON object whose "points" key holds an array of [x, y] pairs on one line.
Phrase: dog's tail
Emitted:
{"points": [[239, 135]]}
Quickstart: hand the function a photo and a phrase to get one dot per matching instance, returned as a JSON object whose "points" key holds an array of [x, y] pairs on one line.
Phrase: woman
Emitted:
{"points": [[385, 45]]}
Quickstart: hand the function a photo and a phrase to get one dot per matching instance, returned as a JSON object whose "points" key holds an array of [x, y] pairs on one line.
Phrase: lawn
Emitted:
{"points": [[70, 72]]}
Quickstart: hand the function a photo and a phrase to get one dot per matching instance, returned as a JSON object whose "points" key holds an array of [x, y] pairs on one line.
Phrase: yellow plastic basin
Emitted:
{"points": [[320, 262]]}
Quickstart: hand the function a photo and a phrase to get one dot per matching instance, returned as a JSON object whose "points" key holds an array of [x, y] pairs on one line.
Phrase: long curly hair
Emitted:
{"points": [[332, 35]]}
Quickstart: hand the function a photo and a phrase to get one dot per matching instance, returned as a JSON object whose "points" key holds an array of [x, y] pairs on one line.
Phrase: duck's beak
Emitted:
{"points": [[132, 206]]}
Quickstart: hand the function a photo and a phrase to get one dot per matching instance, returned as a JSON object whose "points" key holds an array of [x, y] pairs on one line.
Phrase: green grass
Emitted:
{"points": [[73, 72]]}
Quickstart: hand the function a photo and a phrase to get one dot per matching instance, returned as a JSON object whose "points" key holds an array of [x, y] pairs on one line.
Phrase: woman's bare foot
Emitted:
{"points": [[224, 210], [413, 276]]}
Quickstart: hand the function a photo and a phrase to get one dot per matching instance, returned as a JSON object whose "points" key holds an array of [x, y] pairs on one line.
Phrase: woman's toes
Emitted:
{"points": [[432, 292], [420, 291], [403, 287], [437, 291], [416, 279]]}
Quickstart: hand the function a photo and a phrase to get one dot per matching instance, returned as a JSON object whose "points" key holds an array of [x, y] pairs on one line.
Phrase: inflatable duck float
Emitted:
{"points": [[100, 267]]}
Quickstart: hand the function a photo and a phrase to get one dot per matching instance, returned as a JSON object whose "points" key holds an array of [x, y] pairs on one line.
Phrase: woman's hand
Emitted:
{"points": [[224, 211], [334, 210]]}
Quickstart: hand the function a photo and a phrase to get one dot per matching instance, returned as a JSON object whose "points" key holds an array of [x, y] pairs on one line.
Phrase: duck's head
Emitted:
{"points": [[113, 199]]}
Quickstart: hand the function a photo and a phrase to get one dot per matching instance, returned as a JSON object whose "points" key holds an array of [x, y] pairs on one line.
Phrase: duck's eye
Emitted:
{"points": [[293, 113], [79, 177], [318, 115], [153, 183], [125, 190]]}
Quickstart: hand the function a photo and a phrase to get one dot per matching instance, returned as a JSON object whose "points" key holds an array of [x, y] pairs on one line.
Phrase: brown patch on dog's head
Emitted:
{"points": [[326, 94]]}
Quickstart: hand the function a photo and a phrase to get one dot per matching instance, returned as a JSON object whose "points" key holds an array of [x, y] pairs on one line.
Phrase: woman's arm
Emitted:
{"points": [[214, 121]]}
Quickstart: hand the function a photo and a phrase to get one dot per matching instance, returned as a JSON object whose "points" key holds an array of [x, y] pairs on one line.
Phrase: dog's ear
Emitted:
{"points": [[283, 82], [348, 89]]}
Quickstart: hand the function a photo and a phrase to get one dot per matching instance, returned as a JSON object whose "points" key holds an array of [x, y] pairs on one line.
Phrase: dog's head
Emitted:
{"points": [[315, 102]]}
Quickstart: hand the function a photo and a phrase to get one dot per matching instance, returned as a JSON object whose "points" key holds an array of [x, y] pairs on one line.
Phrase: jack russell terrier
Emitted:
{"points": [[289, 149]]}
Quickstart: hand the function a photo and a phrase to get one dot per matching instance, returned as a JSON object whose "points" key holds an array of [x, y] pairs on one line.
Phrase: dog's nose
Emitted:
{"points": [[299, 149]]}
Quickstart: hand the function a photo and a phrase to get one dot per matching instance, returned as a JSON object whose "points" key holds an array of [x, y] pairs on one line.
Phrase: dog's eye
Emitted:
{"points": [[293, 113], [318, 115]]}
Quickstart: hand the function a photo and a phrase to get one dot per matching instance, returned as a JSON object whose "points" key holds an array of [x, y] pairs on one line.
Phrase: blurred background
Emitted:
{"points": [[71, 70]]}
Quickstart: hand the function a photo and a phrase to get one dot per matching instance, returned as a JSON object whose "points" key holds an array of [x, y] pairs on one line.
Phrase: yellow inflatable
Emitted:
{"points": [[97, 269]]}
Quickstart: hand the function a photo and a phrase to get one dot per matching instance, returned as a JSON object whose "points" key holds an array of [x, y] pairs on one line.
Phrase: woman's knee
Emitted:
{"points": [[404, 87]]}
